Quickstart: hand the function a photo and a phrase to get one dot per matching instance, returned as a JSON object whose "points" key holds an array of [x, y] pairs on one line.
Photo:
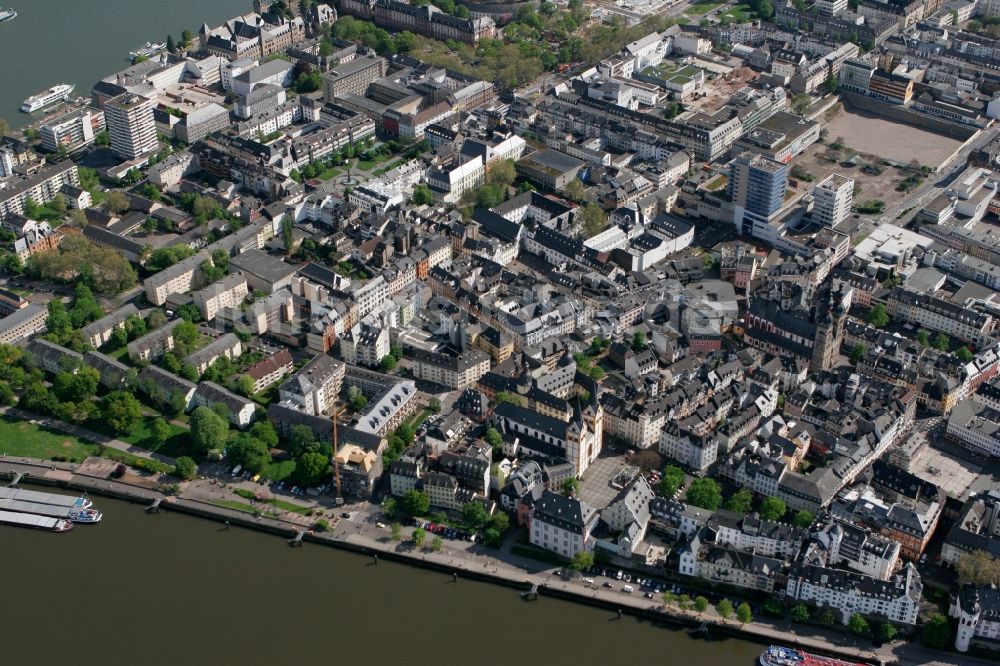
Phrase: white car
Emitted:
{"points": [[627, 589]]}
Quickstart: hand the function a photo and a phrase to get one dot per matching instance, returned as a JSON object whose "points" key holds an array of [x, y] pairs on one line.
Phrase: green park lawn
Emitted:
{"points": [[22, 438], [142, 436], [701, 8], [740, 13], [368, 165], [278, 470], [328, 173]]}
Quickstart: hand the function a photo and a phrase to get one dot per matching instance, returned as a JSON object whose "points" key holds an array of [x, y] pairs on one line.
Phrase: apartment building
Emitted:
{"points": [[98, 333], [453, 371], [226, 345], [353, 77], [23, 323], [40, 186], [562, 525], [832, 198], [176, 279], [72, 131], [229, 292], [131, 125], [940, 315]]}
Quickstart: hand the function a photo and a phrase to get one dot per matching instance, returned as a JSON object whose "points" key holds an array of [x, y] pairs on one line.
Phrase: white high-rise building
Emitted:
{"points": [[131, 125], [833, 197], [831, 7]]}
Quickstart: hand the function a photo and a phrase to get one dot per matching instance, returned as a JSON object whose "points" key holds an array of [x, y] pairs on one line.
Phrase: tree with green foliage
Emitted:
{"points": [[923, 338], [76, 386], [419, 535], [941, 342], [828, 617], [249, 452], [741, 501], [725, 609], [831, 84], [116, 202], [964, 355], [801, 103], [575, 190], [800, 613], [436, 544], [772, 508], [671, 481], [185, 467], [803, 519], [422, 195], [415, 503], [936, 632], [858, 624], [311, 469], [6, 393], [857, 353], [121, 411], [287, 236], [245, 385], [171, 45], [638, 341], [208, 431], [396, 532], [700, 604], [159, 431], [571, 486], [475, 515], [593, 219], [743, 613], [886, 632], [878, 316], [582, 561], [705, 493], [494, 439]]}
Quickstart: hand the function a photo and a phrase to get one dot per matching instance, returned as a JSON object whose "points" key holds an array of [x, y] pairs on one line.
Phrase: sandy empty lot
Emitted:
{"points": [[890, 140]]}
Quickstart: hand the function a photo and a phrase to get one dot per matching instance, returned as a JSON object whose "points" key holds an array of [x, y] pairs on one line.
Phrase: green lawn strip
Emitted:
{"points": [[418, 418], [328, 173], [702, 8], [23, 438], [388, 167], [141, 435], [277, 503], [279, 470], [236, 506]]}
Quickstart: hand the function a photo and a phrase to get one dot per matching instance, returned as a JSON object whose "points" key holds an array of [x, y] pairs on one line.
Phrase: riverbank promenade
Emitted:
{"points": [[362, 533]]}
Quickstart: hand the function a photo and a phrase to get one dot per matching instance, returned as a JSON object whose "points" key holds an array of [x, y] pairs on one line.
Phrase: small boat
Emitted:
{"points": [[85, 516], [147, 51], [7, 15], [57, 93], [777, 655]]}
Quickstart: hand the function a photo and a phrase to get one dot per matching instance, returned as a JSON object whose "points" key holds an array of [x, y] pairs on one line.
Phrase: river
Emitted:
{"points": [[173, 589], [82, 41]]}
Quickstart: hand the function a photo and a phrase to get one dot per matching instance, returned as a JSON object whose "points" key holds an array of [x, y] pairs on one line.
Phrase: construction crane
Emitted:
{"points": [[336, 463]]}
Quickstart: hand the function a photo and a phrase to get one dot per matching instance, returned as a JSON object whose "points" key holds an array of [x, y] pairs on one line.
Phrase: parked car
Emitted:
{"points": [[618, 576], [627, 589]]}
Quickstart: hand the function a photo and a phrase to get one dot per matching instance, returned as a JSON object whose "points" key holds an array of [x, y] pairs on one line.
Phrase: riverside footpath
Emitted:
{"points": [[363, 533]]}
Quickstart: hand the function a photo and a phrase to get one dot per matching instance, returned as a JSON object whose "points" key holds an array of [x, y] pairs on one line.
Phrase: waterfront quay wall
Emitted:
{"points": [[465, 567]]}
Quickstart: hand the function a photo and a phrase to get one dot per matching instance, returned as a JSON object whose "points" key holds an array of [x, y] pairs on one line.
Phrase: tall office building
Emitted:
{"points": [[131, 125], [832, 200], [757, 189]]}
